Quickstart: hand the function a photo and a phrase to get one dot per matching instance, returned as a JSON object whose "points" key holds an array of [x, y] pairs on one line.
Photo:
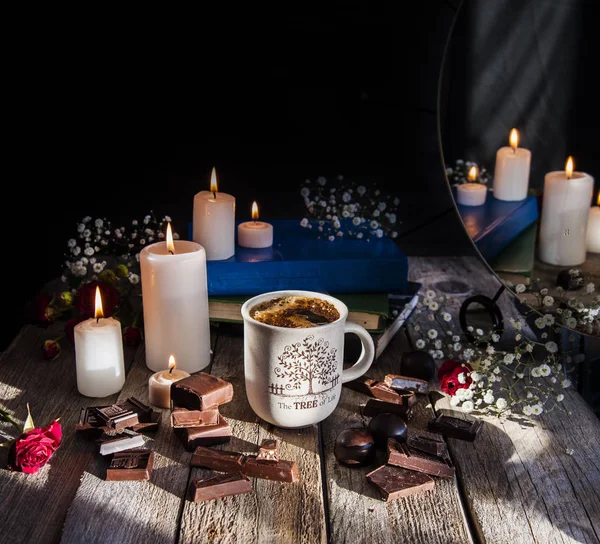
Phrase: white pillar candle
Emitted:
{"points": [[255, 234], [511, 174], [159, 384], [593, 229], [565, 210], [175, 303], [99, 362], [471, 194], [214, 222]]}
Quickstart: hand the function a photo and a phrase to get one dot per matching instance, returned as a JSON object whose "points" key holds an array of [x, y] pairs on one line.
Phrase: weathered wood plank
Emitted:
{"points": [[357, 512], [274, 512], [519, 480], [33, 507]]}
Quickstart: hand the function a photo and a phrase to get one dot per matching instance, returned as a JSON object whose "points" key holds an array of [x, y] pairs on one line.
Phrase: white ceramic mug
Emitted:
{"points": [[294, 376]]}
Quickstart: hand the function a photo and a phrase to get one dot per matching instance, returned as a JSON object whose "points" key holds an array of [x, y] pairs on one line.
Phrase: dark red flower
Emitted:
{"points": [[32, 450], [70, 327], [86, 298], [42, 313], [448, 375], [132, 336], [50, 349]]}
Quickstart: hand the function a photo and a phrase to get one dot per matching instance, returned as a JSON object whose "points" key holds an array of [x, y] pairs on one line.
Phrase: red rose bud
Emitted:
{"points": [[41, 311], [50, 349], [70, 328], [86, 298], [132, 336], [32, 450]]}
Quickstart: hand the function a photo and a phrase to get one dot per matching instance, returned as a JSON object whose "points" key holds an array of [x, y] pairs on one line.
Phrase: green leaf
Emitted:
{"points": [[28, 422]]}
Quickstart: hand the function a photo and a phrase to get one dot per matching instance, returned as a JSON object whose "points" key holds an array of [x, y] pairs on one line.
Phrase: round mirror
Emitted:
{"points": [[519, 122]]}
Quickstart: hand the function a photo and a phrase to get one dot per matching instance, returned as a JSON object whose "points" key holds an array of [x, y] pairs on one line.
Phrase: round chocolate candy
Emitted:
{"points": [[387, 425], [354, 447], [417, 364], [570, 279]]}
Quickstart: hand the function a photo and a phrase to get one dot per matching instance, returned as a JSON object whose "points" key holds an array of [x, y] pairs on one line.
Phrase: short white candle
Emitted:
{"points": [[593, 229], [175, 303], [159, 384], [255, 234], [471, 194], [214, 222], [99, 362], [511, 174], [565, 211]]}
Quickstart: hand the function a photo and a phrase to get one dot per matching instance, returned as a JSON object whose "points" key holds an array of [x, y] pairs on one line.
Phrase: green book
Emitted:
{"points": [[515, 262]]}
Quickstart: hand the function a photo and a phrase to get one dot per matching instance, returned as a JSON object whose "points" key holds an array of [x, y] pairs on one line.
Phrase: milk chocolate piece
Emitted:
{"points": [[428, 444], [406, 383], [378, 390], [110, 443], [221, 460], [117, 416], [208, 435], [217, 487], [148, 426], [181, 418], [130, 466], [143, 411], [396, 482], [374, 407], [361, 385], [404, 456], [281, 471], [455, 427], [201, 391], [89, 424], [268, 451]]}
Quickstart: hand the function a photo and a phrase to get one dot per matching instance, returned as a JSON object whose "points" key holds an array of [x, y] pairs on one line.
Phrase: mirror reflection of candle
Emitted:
{"points": [[511, 174], [255, 234], [472, 193]]}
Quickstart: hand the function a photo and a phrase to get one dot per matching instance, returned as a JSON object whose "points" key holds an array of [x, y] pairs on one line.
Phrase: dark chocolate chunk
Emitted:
{"points": [[112, 443], [281, 471], [148, 426], [406, 383], [143, 411], [117, 417], [89, 424], [207, 435], [221, 460], [375, 389], [374, 407], [396, 482], [361, 385], [417, 364], [455, 427], [355, 447], [201, 391], [181, 417], [268, 451], [219, 486], [130, 466], [401, 455], [428, 444], [385, 426]]}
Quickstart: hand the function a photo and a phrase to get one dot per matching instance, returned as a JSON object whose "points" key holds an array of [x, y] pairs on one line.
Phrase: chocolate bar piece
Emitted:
{"points": [[217, 487], [378, 390], [406, 383], [130, 466], [455, 427], [201, 391], [110, 443], [428, 444], [396, 482], [374, 407], [117, 416], [148, 426], [207, 435], [268, 451], [221, 460], [89, 424], [143, 411], [361, 385], [281, 471], [181, 417], [401, 455]]}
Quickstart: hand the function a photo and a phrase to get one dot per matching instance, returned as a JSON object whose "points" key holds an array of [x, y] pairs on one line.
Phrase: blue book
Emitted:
{"points": [[495, 224], [298, 260]]}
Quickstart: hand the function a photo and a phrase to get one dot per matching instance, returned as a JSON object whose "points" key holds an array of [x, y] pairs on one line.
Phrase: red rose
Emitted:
{"points": [[70, 327], [32, 450], [50, 349], [132, 336], [448, 375], [86, 298]]}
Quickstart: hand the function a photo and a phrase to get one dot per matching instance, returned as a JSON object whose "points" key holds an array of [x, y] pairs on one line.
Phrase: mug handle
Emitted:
{"points": [[367, 355]]}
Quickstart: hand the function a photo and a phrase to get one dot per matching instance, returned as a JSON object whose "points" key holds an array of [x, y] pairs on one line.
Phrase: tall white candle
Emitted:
{"points": [[472, 193], [99, 362], [175, 303], [511, 174], [159, 384], [255, 234], [214, 222], [565, 210], [593, 229]]}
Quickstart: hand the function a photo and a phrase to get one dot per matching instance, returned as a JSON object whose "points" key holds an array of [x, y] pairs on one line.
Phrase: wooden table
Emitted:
{"points": [[516, 483]]}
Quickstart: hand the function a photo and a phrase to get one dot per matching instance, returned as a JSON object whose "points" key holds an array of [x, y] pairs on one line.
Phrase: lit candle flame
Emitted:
{"points": [[213, 182], [171, 363], [569, 167], [254, 211], [514, 138], [598, 202], [170, 244], [98, 313], [472, 175]]}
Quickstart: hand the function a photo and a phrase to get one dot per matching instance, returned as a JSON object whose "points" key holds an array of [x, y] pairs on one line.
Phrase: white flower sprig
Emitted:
{"points": [[459, 173]]}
